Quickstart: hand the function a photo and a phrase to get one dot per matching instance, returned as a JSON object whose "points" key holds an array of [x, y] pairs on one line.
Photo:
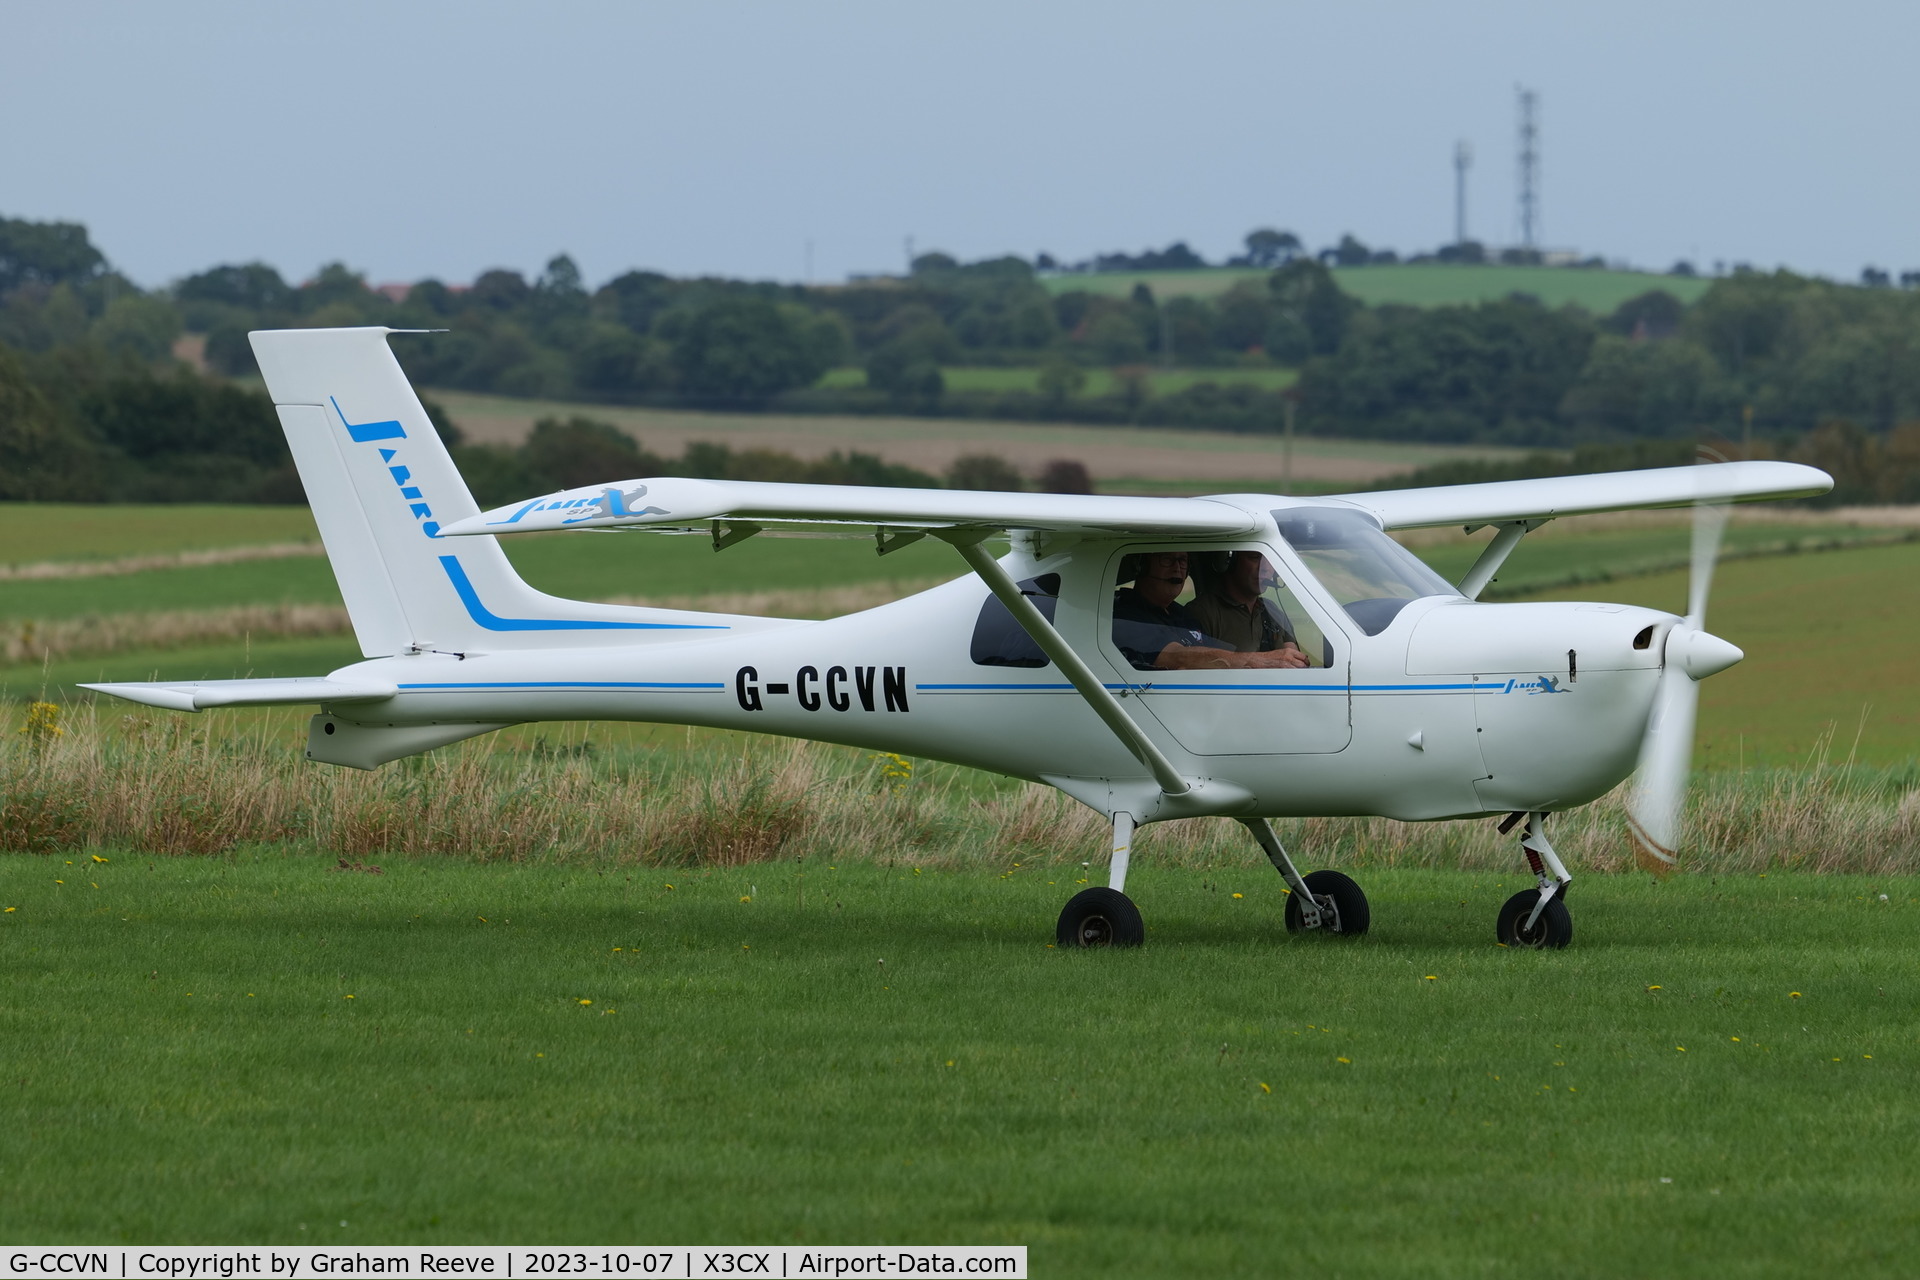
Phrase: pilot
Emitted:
{"points": [[1157, 633], [1231, 605]]}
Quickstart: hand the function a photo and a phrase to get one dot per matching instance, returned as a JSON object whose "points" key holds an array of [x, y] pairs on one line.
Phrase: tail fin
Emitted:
{"points": [[382, 485]]}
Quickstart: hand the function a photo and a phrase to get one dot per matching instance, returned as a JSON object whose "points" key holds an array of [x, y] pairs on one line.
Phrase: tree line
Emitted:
{"points": [[93, 403], [576, 451]]}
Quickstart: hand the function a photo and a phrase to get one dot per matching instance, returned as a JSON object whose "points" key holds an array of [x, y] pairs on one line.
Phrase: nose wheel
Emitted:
{"points": [[1548, 929], [1536, 918]]}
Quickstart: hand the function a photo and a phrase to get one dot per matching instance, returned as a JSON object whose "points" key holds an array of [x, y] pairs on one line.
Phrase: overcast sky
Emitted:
{"points": [[414, 139]]}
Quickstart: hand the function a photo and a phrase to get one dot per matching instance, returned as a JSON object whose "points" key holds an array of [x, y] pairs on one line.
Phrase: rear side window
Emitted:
{"points": [[999, 641]]}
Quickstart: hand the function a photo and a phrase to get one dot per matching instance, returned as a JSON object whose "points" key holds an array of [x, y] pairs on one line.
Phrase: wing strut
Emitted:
{"points": [[968, 543], [1505, 539]]}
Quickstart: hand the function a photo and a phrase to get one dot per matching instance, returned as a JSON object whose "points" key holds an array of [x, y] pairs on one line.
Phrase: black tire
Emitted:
{"points": [[1351, 914], [1100, 918], [1552, 931]]}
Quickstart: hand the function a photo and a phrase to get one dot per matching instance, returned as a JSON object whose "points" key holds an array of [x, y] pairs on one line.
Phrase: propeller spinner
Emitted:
{"points": [[1691, 655]]}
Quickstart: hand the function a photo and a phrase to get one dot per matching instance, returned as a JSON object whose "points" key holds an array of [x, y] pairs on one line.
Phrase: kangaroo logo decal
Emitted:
{"points": [[613, 502]]}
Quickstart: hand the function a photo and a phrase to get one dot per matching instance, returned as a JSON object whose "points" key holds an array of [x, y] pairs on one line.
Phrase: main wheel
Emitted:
{"points": [[1350, 916], [1100, 918], [1554, 928]]}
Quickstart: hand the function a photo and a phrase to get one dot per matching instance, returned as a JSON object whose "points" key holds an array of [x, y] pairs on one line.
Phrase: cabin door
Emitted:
{"points": [[1218, 647]]}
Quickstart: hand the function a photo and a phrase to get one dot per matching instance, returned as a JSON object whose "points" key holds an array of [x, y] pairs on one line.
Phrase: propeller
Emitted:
{"points": [[1691, 655]]}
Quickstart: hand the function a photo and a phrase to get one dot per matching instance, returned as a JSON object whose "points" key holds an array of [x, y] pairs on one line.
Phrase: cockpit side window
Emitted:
{"points": [[1369, 574], [1243, 598], [999, 641], [1202, 609]]}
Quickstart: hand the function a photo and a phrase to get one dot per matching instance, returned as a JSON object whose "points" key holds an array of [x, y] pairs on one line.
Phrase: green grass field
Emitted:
{"points": [[591, 566], [1716, 1079], [1773, 709], [31, 532], [556, 1046], [598, 566], [1418, 285], [1100, 382]]}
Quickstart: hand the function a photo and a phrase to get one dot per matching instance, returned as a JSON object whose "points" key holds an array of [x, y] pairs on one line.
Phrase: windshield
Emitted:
{"points": [[1369, 574]]}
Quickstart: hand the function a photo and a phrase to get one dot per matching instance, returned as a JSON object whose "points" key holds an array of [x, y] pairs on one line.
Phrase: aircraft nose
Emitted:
{"points": [[1700, 653]]}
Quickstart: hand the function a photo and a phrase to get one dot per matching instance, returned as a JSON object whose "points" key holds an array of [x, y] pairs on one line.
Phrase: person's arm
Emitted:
{"points": [[1180, 656], [1286, 656], [1191, 657]]}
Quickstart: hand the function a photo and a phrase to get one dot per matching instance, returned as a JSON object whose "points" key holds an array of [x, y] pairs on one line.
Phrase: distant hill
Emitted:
{"points": [[1416, 285]]}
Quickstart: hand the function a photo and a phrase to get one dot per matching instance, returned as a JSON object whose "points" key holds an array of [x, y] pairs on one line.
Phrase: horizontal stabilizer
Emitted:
{"points": [[678, 504], [198, 695]]}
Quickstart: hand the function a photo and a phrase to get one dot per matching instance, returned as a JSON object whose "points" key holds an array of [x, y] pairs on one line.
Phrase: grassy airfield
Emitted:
{"points": [[258, 1045], [1715, 1080]]}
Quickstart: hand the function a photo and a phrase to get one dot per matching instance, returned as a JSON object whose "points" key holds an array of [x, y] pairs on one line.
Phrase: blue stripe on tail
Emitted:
{"points": [[492, 621]]}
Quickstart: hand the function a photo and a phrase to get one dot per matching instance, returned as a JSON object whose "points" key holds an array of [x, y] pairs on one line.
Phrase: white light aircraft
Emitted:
{"points": [[1320, 669]]}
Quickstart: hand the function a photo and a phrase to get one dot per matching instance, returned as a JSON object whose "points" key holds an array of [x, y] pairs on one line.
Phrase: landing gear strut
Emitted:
{"points": [[1105, 917], [1537, 918], [1321, 900]]}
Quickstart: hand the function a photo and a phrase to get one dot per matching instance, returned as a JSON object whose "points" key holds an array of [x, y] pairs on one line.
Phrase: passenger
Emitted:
{"points": [[1157, 633], [1232, 606]]}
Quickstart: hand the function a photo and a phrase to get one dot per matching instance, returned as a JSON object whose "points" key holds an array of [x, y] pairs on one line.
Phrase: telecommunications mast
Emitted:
{"points": [[1529, 168], [1462, 158]]}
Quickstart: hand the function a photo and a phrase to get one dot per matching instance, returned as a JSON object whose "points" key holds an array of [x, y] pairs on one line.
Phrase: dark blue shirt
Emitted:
{"points": [[1141, 631]]}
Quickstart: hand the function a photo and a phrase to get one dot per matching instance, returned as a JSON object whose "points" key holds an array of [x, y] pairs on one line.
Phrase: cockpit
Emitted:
{"points": [[1205, 609], [1208, 607]]}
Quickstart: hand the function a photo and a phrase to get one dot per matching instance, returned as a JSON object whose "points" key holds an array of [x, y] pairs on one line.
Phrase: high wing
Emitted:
{"points": [[1552, 496], [678, 505], [683, 505]]}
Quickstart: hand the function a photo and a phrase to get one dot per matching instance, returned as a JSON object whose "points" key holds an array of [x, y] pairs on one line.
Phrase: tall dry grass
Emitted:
{"points": [[187, 785]]}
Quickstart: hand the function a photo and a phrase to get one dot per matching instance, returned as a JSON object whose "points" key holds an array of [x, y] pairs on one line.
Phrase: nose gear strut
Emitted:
{"points": [[1537, 918]]}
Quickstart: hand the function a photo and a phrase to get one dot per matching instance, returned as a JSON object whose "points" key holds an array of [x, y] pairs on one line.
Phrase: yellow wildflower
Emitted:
{"points": [[43, 723]]}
